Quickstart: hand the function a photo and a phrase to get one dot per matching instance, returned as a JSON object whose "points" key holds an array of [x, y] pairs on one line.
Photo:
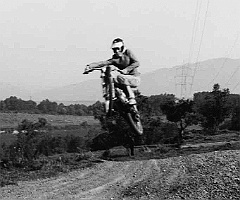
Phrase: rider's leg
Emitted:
{"points": [[127, 81]]}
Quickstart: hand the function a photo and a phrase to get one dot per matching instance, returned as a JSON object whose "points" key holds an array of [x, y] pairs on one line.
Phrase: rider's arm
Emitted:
{"points": [[134, 63], [100, 64]]}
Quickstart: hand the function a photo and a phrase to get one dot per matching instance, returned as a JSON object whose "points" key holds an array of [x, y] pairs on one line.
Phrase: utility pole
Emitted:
{"points": [[183, 79]]}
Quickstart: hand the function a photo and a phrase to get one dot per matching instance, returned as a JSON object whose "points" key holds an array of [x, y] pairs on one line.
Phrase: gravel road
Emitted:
{"points": [[214, 175]]}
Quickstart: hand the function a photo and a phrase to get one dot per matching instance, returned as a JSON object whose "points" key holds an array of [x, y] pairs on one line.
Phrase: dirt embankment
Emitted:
{"points": [[214, 175]]}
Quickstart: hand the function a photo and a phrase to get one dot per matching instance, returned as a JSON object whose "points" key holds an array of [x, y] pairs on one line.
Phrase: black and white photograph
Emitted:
{"points": [[119, 99]]}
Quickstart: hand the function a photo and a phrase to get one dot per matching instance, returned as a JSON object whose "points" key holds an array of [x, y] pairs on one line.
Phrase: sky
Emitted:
{"points": [[47, 43]]}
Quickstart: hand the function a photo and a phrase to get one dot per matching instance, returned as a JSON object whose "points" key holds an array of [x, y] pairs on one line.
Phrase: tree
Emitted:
{"points": [[97, 110], [61, 109], [13, 103], [151, 106], [47, 106], [181, 112], [213, 106], [29, 105], [3, 105]]}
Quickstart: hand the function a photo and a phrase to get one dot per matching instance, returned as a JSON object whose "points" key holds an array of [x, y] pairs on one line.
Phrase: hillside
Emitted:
{"points": [[168, 80], [164, 80]]}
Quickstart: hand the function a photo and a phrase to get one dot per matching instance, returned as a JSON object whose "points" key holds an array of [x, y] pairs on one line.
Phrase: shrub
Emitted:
{"points": [[74, 143], [235, 121], [156, 131], [32, 141]]}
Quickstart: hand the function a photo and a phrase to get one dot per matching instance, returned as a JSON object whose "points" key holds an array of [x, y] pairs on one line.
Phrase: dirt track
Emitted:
{"points": [[214, 175]]}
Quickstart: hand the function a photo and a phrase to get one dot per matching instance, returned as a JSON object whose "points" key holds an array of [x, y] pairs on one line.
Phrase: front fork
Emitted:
{"points": [[108, 88]]}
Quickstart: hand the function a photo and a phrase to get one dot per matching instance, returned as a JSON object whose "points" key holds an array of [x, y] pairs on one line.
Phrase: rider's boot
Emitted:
{"points": [[131, 96]]}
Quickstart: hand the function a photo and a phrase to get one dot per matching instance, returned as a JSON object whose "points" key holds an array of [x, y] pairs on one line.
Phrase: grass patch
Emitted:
{"points": [[11, 120]]}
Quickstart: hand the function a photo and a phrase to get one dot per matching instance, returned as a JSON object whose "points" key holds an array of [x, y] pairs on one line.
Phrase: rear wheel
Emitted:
{"points": [[135, 121]]}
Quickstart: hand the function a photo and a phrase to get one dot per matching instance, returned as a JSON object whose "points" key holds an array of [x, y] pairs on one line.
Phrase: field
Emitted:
{"points": [[11, 120]]}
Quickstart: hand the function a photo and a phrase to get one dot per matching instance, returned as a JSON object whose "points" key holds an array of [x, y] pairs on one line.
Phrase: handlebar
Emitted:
{"points": [[113, 68], [90, 70]]}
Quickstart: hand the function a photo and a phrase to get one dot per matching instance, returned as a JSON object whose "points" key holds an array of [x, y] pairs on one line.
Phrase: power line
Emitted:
{"points": [[201, 38], [199, 49], [237, 68], [184, 69], [236, 86], [195, 24], [225, 60]]}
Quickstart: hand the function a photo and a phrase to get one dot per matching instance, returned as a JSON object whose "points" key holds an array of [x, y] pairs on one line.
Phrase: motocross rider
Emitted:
{"points": [[127, 63]]}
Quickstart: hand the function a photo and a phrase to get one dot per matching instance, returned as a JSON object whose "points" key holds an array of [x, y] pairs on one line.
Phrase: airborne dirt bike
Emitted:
{"points": [[116, 100]]}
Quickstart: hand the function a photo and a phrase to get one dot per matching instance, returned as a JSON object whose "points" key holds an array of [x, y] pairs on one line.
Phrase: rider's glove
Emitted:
{"points": [[87, 69]]}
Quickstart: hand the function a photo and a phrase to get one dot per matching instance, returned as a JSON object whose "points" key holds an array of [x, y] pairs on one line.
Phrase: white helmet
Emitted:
{"points": [[118, 43]]}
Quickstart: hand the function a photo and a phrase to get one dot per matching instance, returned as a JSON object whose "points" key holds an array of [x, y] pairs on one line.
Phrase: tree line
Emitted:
{"points": [[14, 104], [210, 109]]}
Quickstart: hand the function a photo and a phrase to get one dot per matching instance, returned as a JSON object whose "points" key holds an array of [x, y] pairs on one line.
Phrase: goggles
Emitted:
{"points": [[116, 45]]}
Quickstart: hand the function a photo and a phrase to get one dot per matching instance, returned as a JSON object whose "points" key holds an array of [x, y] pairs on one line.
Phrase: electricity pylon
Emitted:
{"points": [[183, 79]]}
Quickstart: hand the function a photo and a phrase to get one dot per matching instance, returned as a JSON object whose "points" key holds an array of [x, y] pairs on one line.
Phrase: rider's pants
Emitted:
{"points": [[129, 81], [132, 81]]}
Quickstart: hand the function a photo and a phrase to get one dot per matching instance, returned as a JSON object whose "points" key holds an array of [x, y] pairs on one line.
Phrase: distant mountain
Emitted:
{"points": [[85, 91], [223, 71], [175, 80]]}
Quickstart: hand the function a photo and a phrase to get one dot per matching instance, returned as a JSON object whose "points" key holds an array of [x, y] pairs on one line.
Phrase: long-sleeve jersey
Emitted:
{"points": [[126, 61]]}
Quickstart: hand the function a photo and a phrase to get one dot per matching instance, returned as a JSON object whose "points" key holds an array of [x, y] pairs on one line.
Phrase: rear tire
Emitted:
{"points": [[135, 122]]}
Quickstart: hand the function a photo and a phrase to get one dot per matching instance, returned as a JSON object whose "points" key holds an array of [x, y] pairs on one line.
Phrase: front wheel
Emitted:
{"points": [[135, 121]]}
